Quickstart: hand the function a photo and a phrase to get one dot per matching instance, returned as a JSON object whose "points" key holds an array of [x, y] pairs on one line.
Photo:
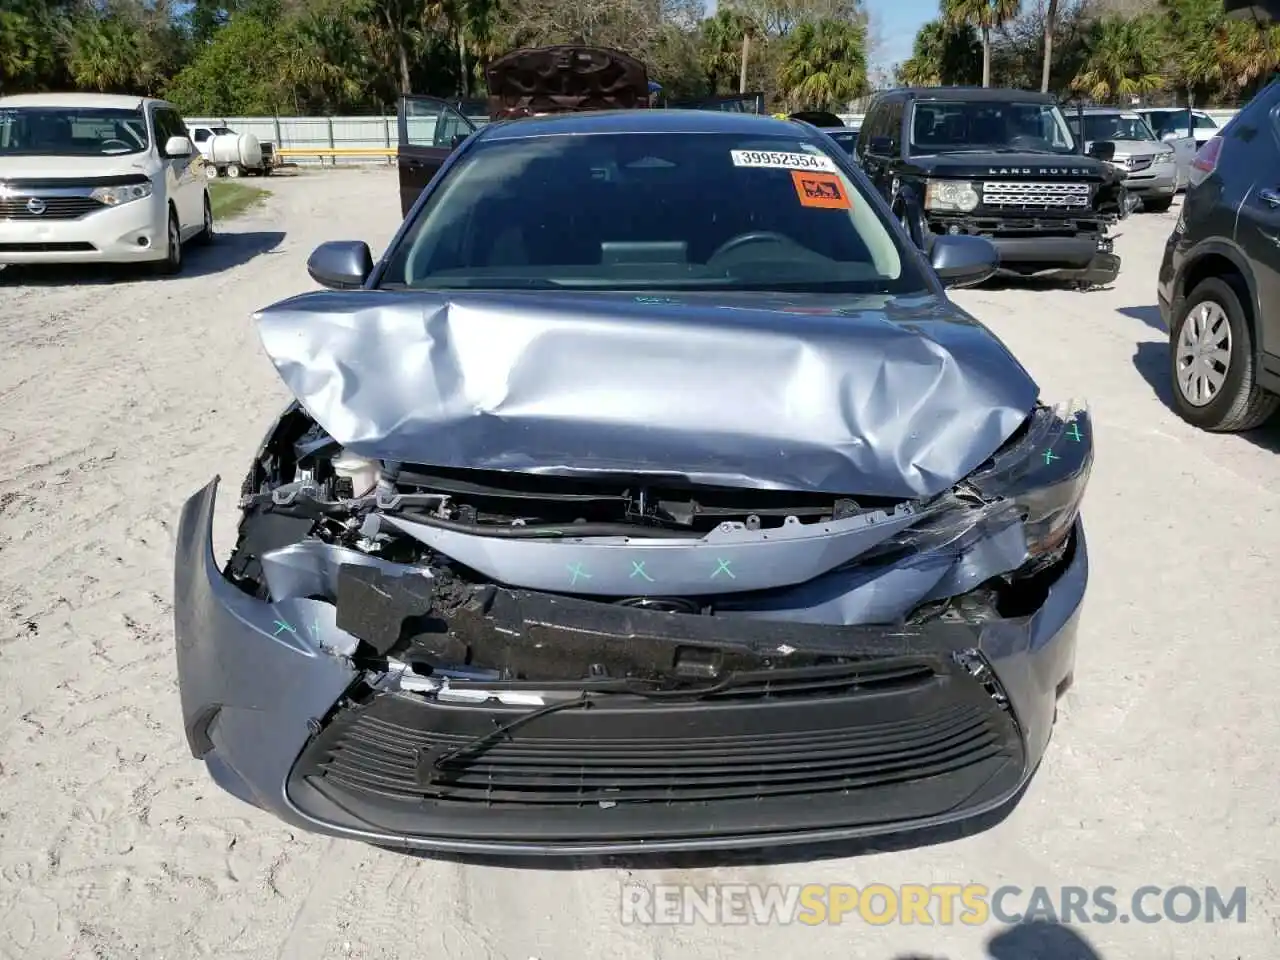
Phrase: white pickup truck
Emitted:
{"points": [[231, 154]]}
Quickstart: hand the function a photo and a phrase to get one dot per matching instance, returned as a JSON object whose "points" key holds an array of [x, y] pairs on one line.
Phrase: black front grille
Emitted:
{"points": [[888, 742], [54, 208], [46, 247], [377, 757]]}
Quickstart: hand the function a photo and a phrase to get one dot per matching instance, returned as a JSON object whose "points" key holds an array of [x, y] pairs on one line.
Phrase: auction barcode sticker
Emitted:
{"points": [[782, 161]]}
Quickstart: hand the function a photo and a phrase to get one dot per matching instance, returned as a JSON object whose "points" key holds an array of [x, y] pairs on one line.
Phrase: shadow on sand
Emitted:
{"points": [[1151, 360], [1148, 315], [1030, 941], [229, 250]]}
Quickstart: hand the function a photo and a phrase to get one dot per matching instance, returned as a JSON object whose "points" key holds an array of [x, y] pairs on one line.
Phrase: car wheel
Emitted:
{"points": [[210, 171], [234, 170], [1212, 362], [172, 262], [205, 236], [1157, 206]]}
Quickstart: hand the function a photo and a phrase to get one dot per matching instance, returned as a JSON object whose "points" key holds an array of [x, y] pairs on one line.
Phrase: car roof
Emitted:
{"points": [[644, 121], [101, 101], [976, 94]]}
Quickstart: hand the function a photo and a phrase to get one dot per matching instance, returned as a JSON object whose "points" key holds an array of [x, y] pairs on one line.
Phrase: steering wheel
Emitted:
{"points": [[752, 236], [123, 143]]}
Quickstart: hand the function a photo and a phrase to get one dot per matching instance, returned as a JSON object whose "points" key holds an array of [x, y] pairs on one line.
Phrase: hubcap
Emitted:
{"points": [[1203, 353]]}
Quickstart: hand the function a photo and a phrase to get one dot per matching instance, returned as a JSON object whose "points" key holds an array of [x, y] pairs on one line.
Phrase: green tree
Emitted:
{"points": [[243, 71], [1123, 58], [985, 15], [825, 65], [943, 54]]}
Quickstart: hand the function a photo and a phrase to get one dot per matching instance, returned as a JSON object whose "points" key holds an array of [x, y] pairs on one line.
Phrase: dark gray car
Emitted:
{"points": [[1219, 284], [648, 494]]}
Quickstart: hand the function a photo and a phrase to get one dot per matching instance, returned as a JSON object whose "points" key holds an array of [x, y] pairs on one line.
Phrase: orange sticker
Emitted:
{"points": [[820, 190]]}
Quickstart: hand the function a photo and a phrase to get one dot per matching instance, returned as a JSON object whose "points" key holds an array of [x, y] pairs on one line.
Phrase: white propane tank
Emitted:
{"points": [[241, 148]]}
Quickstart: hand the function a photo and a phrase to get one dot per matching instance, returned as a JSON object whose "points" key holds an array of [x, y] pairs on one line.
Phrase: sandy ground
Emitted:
{"points": [[120, 396]]}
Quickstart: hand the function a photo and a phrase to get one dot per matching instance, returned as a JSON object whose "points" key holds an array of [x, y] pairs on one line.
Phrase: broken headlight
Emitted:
{"points": [[1044, 472]]}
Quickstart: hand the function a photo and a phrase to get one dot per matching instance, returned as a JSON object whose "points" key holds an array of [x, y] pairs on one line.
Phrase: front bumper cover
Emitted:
{"points": [[271, 707]]}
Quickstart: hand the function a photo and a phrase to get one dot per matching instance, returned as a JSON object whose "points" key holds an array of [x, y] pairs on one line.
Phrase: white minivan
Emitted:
{"points": [[98, 178]]}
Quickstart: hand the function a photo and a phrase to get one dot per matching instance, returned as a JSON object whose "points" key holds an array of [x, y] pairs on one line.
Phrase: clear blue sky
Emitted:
{"points": [[896, 21]]}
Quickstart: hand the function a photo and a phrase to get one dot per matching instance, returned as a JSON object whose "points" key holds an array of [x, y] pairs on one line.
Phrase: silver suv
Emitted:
{"points": [[1151, 172]]}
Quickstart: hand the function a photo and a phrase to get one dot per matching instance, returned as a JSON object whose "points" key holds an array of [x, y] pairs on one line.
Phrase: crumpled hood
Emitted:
{"points": [[854, 395]]}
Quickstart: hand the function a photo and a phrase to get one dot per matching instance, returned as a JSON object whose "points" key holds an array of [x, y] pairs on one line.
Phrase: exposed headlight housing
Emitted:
{"points": [[1036, 481], [123, 193], [951, 195], [1161, 158]]}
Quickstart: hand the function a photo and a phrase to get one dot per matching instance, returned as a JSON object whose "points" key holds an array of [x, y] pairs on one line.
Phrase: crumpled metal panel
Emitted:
{"points": [[836, 394]]}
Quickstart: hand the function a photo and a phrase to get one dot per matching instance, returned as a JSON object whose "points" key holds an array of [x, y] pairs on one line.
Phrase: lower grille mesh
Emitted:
{"points": [[368, 754]]}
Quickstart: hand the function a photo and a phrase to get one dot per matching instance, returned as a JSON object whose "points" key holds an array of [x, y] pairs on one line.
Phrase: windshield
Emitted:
{"points": [[1113, 126], [642, 211], [71, 132], [987, 126]]}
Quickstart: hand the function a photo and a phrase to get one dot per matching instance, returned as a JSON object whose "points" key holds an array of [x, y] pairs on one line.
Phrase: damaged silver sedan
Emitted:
{"points": [[647, 494]]}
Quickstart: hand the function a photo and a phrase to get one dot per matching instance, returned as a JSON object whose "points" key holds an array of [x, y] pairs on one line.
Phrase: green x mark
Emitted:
{"points": [[1074, 432], [637, 570], [577, 571], [1050, 456], [723, 567], [281, 627]]}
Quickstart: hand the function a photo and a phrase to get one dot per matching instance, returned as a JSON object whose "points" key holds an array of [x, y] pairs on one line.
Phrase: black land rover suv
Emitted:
{"points": [[1000, 164]]}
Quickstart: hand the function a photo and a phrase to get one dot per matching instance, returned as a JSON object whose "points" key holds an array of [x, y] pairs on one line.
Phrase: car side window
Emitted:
{"points": [[872, 126], [200, 136], [165, 128], [893, 126], [864, 133]]}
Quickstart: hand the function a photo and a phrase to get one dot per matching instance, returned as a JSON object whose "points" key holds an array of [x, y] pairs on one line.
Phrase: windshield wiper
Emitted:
{"points": [[492, 283]]}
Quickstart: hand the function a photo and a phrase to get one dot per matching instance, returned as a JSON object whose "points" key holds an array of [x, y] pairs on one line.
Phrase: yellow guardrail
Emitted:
{"points": [[333, 153]]}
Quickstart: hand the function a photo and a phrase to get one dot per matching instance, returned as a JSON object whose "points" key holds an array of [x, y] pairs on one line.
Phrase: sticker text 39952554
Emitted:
{"points": [[781, 161]]}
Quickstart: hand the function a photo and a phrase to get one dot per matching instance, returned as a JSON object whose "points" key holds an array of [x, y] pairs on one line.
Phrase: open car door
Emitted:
{"points": [[429, 130]]}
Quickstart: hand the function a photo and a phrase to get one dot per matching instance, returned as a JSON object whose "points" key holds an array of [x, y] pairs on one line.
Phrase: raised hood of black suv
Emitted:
{"points": [[856, 395], [565, 78]]}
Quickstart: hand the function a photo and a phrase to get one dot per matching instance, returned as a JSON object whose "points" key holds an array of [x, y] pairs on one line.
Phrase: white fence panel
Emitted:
{"points": [[379, 133]]}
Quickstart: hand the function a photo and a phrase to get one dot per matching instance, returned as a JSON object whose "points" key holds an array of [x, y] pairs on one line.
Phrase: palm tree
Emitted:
{"points": [[942, 54], [726, 45], [1123, 58], [1245, 54], [825, 64], [1050, 22], [986, 15]]}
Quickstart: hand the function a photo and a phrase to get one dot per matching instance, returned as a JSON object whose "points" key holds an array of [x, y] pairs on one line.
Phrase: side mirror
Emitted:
{"points": [[1171, 135], [1102, 150], [961, 261], [178, 147], [341, 264]]}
